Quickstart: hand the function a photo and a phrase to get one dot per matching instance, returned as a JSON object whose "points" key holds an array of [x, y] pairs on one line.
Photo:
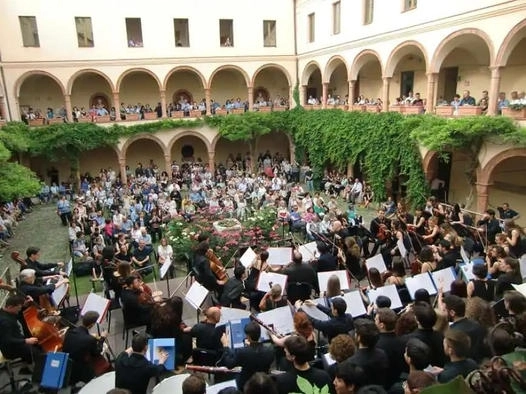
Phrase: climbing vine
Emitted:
{"points": [[385, 144]]}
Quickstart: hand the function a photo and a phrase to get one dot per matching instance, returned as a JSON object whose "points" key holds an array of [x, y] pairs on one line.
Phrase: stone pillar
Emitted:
{"points": [[385, 93], [69, 108], [324, 90], [351, 93], [211, 161], [163, 104], [303, 95], [250, 98], [208, 101], [482, 196], [292, 104], [432, 79], [350, 170], [122, 166], [493, 93], [117, 105], [3, 109], [168, 163]]}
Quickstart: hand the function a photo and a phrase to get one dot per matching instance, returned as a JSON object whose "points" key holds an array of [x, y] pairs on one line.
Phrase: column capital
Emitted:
{"points": [[386, 79], [351, 80], [431, 74]]}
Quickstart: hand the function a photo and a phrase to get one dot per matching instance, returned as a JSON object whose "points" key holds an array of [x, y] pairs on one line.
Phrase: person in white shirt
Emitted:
{"points": [[165, 253], [356, 191]]}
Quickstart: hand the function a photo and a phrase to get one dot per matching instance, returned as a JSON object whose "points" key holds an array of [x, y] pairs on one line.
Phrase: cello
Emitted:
{"points": [[216, 265]]}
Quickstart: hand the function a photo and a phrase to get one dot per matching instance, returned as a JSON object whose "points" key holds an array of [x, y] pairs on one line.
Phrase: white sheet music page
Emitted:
{"points": [[279, 256], [96, 303], [377, 262], [196, 295], [323, 277], [248, 257]]}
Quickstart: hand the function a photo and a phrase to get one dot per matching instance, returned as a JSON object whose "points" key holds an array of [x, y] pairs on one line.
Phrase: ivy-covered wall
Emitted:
{"points": [[385, 144]]}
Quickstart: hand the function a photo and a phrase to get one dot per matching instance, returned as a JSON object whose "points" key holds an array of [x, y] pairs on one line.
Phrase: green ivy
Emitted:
{"points": [[385, 144]]}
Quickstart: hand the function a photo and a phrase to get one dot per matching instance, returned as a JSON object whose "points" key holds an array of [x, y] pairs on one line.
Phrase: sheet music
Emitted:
{"points": [[464, 255], [196, 295], [314, 312], [377, 262], [520, 288], [68, 267], [323, 277], [248, 257], [444, 278], [228, 314], [401, 248], [420, 281], [216, 388], [59, 294], [467, 271], [388, 291], [279, 318], [267, 279], [96, 303], [522, 265], [165, 267], [355, 306], [157, 345], [308, 251], [279, 256]]}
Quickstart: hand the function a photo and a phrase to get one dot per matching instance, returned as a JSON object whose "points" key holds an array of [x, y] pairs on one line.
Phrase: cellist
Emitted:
{"points": [[201, 265]]}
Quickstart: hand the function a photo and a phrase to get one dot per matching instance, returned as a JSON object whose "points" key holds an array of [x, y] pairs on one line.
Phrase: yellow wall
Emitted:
{"points": [[227, 85], [86, 86], [200, 151], [371, 81], [41, 92], [274, 81], [139, 88], [93, 161], [143, 151]]}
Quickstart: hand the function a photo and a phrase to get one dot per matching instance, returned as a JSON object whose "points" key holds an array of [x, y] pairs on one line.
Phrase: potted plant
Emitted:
{"points": [[515, 111]]}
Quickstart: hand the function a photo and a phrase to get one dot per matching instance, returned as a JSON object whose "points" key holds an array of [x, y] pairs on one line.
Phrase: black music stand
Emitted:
{"points": [[69, 271]]}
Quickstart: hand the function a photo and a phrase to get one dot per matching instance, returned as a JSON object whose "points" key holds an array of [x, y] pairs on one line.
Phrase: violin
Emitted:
{"points": [[383, 232], [216, 265]]}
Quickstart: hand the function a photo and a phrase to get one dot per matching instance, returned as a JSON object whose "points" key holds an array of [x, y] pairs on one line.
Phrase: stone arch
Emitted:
{"points": [[426, 162], [451, 42], [399, 52], [362, 59], [137, 70], [229, 67], [218, 136], [184, 68], [510, 42], [332, 64], [20, 81], [191, 133], [87, 71], [270, 65], [142, 136], [308, 70], [484, 174]]}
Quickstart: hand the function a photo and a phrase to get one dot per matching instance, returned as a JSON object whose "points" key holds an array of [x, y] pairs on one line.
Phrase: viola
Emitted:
{"points": [[216, 265], [383, 232]]}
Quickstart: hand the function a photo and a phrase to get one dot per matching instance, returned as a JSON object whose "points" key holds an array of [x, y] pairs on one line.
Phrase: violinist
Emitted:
{"points": [[327, 261], [13, 341], [28, 287], [137, 311], [205, 275], [44, 271], [379, 228], [234, 289], [141, 257], [83, 348]]}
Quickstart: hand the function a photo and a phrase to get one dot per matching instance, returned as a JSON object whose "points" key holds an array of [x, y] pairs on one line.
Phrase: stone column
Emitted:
{"points": [[122, 166], [351, 93], [350, 170], [324, 90], [291, 97], [163, 103], [385, 93], [494, 88], [303, 95], [69, 108], [117, 105], [211, 161], [250, 98], [168, 163], [3, 110], [208, 101], [482, 196], [432, 79]]}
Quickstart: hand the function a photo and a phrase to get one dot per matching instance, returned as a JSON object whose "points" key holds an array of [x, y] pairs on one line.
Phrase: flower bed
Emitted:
{"points": [[227, 225]]}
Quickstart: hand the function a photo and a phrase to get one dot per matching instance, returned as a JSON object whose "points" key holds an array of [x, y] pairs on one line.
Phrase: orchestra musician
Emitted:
{"points": [[339, 322], [255, 357], [14, 341], [259, 265], [29, 287], [202, 266], [207, 335], [489, 226], [297, 272], [43, 271], [273, 298], [234, 288], [380, 228], [84, 349], [132, 297], [326, 260]]}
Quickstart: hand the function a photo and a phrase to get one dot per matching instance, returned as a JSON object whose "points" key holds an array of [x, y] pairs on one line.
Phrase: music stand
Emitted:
{"points": [[69, 267]]}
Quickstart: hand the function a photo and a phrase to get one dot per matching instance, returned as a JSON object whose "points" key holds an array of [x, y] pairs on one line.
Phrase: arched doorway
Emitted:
{"points": [[367, 72], [229, 83], [181, 96], [139, 87], [89, 85], [336, 74], [187, 82], [271, 83], [189, 149], [100, 100], [511, 58], [39, 92], [312, 81], [146, 151]]}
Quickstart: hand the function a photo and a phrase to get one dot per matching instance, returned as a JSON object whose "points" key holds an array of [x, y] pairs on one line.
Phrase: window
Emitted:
{"points": [[84, 31], [182, 37], [226, 32], [368, 12], [312, 23], [409, 5], [269, 33], [336, 10], [134, 32], [28, 26]]}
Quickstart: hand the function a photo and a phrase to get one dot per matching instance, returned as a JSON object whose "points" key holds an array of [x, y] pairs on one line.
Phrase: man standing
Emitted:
{"points": [[467, 99], [356, 191], [13, 342], [64, 210], [298, 351], [133, 371]]}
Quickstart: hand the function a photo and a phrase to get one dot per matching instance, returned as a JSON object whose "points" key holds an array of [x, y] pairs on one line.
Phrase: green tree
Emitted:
{"points": [[15, 180]]}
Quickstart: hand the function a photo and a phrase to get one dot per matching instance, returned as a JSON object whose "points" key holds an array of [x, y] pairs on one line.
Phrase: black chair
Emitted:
{"points": [[405, 297], [298, 291], [206, 357], [128, 324], [9, 365]]}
